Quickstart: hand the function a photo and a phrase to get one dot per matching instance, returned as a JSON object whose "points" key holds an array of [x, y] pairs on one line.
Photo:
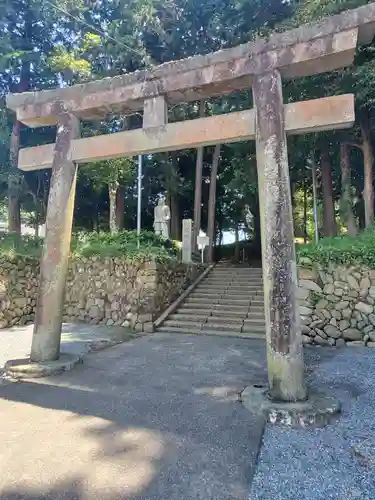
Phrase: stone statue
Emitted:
{"points": [[162, 214]]}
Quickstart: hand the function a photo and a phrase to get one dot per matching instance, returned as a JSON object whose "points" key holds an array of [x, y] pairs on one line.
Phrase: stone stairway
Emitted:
{"points": [[228, 302]]}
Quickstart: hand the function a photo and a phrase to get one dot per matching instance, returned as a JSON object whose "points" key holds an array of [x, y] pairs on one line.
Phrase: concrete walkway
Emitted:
{"points": [[155, 418], [15, 342]]}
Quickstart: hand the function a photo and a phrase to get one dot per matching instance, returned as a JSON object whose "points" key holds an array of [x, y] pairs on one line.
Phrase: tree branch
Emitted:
{"points": [[353, 145]]}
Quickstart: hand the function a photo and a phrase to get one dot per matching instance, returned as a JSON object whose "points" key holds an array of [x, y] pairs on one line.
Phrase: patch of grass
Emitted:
{"points": [[347, 250], [123, 243], [12, 245]]}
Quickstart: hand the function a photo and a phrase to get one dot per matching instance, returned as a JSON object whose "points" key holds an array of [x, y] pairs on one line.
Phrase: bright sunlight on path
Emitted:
{"points": [[155, 418]]}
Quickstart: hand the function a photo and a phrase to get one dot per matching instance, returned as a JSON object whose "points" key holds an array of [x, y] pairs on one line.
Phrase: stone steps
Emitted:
{"points": [[230, 289], [257, 301], [235, 281], [233, 302], [196, 316], [256, 311], [241, 277], [200, 303], [236, 293], [229, 313], [253, 295], [214, 333], [228, 302], [183, 324], [190, 311], [229, 306], [248, 286], [173, 329], [203, 296], [254, 327], [255, 316], [225, 326], [192, 306]]}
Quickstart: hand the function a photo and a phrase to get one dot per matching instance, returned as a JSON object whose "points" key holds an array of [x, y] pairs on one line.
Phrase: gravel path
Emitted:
{"points": [[338, 461]]}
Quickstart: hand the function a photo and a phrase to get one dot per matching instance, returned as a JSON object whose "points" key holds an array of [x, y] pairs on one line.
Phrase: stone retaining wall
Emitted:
{"points": [[111, 291], [337, 305]]}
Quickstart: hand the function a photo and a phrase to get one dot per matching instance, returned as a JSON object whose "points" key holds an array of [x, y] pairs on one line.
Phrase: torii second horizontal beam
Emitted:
{"points": [[300, 118]]}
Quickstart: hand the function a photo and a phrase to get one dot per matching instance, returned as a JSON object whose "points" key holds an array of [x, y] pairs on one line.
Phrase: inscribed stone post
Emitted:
{"points": [[54, 263], [187, 240], [283, 331]]}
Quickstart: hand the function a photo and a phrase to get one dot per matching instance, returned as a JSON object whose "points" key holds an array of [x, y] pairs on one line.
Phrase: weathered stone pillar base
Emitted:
{"points": [[283, 331], [317, 411], [25, 369], [54, 263]]}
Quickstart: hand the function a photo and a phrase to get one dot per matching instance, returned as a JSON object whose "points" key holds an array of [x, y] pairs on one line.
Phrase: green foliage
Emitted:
{"points": [[12, 244], [62, 60], [311, 10], [42, 46], [123, 243], [348, 250], [118, 170]]}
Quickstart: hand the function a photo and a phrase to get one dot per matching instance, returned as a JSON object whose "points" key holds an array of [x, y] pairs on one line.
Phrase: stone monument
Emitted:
{"points": [[187, 240], [162, 214]]}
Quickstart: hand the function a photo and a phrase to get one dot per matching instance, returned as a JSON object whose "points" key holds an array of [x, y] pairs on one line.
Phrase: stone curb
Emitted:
{"points": [[171, 309], [24, 368], [317, 411]]}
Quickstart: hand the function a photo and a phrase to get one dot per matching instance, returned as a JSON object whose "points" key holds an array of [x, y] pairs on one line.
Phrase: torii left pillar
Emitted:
{"points": [[54, 263]]}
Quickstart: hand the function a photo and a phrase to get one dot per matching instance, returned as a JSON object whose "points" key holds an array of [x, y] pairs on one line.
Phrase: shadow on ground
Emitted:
{"points": [[155, 418]]}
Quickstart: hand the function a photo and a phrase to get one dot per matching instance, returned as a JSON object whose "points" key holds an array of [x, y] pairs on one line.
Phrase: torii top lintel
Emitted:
{"points": [[307, 50]]}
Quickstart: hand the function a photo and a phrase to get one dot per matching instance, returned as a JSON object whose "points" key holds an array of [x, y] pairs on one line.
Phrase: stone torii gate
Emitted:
{"points": [[308, 50]]}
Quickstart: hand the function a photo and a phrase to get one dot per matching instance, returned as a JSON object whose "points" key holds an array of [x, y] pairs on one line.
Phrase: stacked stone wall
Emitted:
{"points": [[110, 291], [337, 305]]}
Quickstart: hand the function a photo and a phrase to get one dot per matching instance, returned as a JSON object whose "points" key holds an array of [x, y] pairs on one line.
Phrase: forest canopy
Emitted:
{"points": [[44, 44]]}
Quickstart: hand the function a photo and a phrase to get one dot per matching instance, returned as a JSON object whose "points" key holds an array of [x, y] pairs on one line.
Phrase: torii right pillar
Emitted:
{"points": [[283, 330]]}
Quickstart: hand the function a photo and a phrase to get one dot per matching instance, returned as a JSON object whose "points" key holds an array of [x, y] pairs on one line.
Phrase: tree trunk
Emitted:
{"points": [[212, 202], [346, 209], [112, 192], [175, 217], [120, 208], [255, 210], [368, 160], [14, 191], [198, 186], [220, 231], [172, 185], [236, 244], [97, 219], [293, 194], [14, 206], [221, 235], [304, 211], [329, 224], [36, 222]]}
